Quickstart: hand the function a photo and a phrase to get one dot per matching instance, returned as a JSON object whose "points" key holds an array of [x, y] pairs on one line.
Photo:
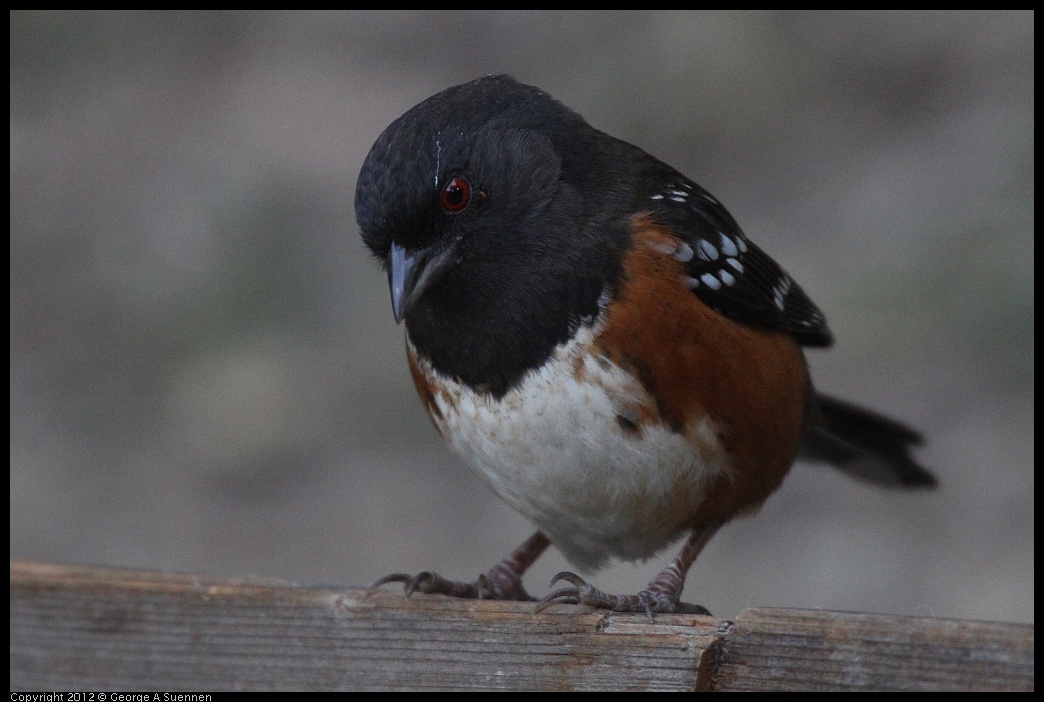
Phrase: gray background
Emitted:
{"points": [[205, 374]]}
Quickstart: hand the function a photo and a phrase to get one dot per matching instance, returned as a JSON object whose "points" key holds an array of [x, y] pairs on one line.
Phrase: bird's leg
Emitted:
{"points": [[663, 595], [502, 582]]}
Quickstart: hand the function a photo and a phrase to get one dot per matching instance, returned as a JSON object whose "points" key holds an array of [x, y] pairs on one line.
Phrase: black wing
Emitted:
{"points": [[728, 272]]}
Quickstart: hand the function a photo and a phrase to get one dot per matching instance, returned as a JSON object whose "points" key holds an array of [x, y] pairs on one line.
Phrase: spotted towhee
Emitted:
{"points": [[596, 336]]}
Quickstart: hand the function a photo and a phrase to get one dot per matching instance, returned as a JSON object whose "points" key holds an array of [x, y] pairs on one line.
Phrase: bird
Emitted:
{"points": [[593, 333]]}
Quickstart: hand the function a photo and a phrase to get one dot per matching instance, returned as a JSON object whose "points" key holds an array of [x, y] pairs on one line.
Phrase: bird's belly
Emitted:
{"points": [[578, 448]]}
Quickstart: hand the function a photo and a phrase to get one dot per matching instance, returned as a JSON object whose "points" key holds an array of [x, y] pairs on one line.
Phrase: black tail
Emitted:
{"points": [[864, 444]]}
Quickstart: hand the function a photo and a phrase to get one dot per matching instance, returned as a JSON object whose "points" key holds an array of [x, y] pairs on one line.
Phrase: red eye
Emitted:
{"points": [[456, 195]]}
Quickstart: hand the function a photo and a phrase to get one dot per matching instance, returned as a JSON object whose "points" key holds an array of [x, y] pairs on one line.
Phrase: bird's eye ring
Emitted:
{"points": [[456, 196]]}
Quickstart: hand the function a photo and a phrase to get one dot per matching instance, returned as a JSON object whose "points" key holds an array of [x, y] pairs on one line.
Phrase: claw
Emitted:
{"points": [[565, 595], [569, 578], [416, 580], [647, 601], [393, 578], [485, 590]]}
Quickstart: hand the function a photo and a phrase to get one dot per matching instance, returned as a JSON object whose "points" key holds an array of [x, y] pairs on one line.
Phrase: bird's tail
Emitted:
{"points": [[864, 444]]}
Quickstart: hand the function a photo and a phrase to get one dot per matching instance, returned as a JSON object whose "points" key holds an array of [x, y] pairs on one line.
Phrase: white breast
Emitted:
{"points": [[563, 450]]}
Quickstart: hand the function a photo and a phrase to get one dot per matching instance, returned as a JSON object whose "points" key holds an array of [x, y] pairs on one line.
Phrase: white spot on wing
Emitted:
{"points": [[710, 281], [707, 250], [728, 245], [780, 292]]}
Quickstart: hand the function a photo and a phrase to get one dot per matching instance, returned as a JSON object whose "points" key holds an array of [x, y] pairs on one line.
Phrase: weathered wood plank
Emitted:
{"points": [[83, 628], [97, 628], [781, 649]]}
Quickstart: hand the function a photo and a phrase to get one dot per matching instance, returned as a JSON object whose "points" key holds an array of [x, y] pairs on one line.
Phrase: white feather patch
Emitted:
{"points": [[561, 449]]}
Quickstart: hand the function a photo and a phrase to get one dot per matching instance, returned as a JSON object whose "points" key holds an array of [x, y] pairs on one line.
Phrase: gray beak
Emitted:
{"points": [[411, 273]]}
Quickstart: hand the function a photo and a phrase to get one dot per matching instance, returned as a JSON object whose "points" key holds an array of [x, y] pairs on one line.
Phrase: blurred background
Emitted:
{"points": [[206, 376]]}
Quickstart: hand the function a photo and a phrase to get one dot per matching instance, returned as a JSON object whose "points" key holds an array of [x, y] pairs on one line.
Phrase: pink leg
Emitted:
{"points": [[663, 594]]}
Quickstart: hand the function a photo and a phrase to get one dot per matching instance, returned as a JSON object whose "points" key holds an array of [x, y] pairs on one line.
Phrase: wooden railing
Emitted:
{"points": [[88, 629]]}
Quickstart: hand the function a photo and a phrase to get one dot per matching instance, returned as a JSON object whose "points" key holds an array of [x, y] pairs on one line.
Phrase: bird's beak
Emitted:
{"points": [[411, 273]]}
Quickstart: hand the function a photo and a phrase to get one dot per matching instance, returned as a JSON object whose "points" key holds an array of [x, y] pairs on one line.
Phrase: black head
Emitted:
{"points": [[493, 131], [488, 204]]}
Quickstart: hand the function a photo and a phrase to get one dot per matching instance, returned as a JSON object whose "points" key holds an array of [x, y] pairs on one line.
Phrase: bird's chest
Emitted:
{"points": [[578, 447]]}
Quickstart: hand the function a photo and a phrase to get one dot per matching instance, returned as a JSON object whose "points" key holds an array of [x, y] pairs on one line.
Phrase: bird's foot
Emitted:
{"points": [[495, 585], [658, 598], [502, 582]]}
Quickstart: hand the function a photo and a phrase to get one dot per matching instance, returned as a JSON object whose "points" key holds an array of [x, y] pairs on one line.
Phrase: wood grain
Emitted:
{"points": [[87, 628]]}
